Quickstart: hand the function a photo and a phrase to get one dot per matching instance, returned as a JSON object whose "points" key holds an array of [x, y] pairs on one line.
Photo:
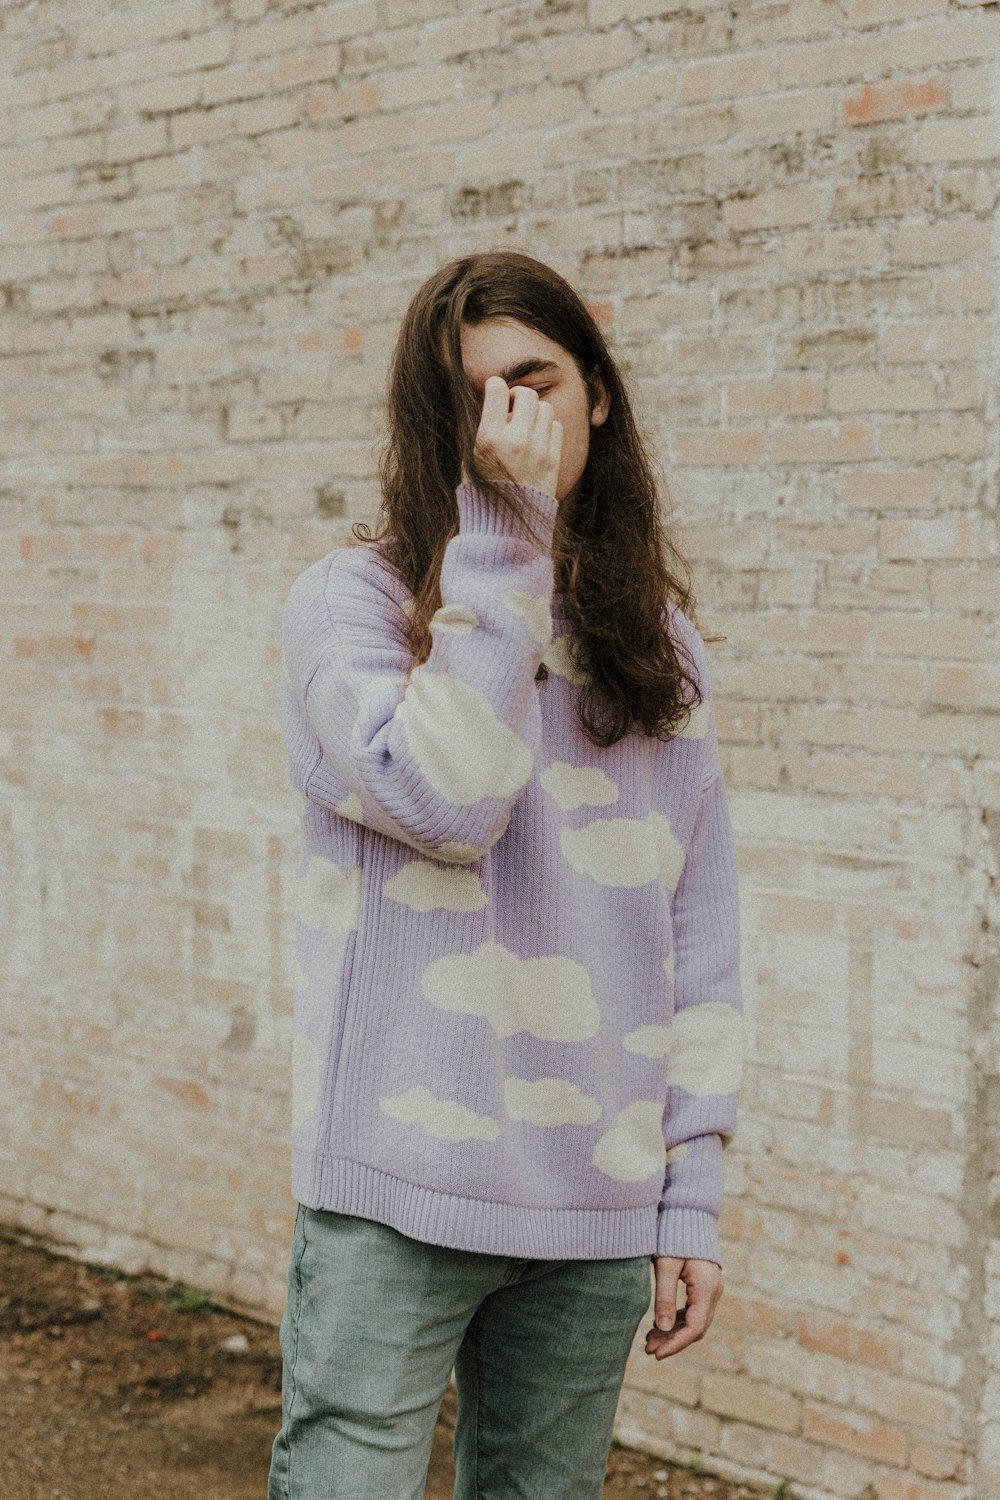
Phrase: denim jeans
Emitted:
{"points": [[376, 1321]]}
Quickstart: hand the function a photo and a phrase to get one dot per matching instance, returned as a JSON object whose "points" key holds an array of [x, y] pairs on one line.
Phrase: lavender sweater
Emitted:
{"points": [[518, 1019]]}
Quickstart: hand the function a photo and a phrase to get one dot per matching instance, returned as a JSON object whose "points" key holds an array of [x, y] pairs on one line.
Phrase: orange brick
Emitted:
{"points": [[855, 1432], [846, 1340], [187, 1090], [55, 648], [895, 101]]}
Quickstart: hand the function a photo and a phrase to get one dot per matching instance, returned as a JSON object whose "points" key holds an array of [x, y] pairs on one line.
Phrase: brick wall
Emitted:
{"points": [[213, 215]]}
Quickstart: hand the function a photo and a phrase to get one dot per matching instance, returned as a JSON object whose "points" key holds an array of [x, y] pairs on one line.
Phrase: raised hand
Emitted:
{"points": [[524, 446]]}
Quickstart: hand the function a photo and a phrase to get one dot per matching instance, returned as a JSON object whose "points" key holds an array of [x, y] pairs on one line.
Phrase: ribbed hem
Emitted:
{"points": [[688, 1232], [438, 1218], [477, 515]]}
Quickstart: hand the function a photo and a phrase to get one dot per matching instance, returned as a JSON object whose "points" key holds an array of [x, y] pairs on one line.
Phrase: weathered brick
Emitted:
{"points": [[728, 78], [720, 446], [780, 206], [596, 53], [972, 139], [779, 116], [831, 58], [941, 39], [878, 12], [899, 1487], [750, 1401]]}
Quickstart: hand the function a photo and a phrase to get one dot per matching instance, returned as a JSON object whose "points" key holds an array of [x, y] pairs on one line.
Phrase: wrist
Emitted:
{"points": [[478, 514]]}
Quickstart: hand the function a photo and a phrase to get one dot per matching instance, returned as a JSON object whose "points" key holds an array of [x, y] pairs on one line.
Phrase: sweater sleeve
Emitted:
{"points": [[706, 1057], [433, 755]]}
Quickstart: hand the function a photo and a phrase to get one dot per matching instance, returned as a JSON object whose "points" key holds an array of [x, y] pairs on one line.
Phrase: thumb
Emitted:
{"points": [[668, 1269]]}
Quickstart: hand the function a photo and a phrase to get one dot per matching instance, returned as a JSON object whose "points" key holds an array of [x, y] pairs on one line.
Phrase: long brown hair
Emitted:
{"points": [[614, 565]]}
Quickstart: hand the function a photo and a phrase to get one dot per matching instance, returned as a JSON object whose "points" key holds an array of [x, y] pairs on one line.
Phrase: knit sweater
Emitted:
{"points": [[518, 1020]]}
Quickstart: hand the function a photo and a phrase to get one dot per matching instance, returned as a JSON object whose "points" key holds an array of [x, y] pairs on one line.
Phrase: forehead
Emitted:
{"points": [[501, 345]]}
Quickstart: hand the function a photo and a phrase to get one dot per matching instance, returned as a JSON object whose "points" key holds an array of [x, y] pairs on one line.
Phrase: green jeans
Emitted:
{"points": [[374, 1325]]}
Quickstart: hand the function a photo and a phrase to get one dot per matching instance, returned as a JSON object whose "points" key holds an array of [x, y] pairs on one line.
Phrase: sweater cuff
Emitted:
{"points": [[688, 1232], [478, 516]]}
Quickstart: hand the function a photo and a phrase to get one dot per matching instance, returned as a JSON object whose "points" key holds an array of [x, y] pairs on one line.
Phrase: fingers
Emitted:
{"points": [[668, 1269], [541, 431], [496, 399], [690, 1324], [673, 1330], [555, 442], [528, 409], [524, 416], [527, 443]]}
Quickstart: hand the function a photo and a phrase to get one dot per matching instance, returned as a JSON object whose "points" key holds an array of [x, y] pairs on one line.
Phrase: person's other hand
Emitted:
{"points": [[674, 1328], [526, 445]]}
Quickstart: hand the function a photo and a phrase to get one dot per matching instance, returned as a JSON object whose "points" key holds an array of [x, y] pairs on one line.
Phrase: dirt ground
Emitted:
{"points": [[120, 1386]]}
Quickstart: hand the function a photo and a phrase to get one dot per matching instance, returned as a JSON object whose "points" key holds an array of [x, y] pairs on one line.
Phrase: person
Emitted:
{"points": [[516, 1051]]}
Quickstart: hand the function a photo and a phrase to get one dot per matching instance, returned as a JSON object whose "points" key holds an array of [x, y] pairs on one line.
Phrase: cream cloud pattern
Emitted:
{"points": [[572, 786], [549, 1101], [455, 617], [455, 852], [669, 849], [649, 1041], [440, 712], [557, 658], [706, 1056], [634, 1147], [444, 1118], [487, 1019], [549, 997], [423, 885], [327, 899], [625, 851], [352, 807], [460, 853], [654, 1041], [534, 609], [704, 1044]]}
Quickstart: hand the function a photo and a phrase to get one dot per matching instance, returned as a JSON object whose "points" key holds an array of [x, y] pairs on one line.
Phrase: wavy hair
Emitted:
{"points": [[614, 565]]}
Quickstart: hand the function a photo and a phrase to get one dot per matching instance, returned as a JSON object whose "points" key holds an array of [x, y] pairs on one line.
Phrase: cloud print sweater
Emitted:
{"points": [[517, 1022]]}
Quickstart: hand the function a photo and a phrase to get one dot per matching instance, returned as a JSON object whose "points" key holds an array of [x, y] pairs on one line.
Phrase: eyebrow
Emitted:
{"points": [[527, 367]]}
